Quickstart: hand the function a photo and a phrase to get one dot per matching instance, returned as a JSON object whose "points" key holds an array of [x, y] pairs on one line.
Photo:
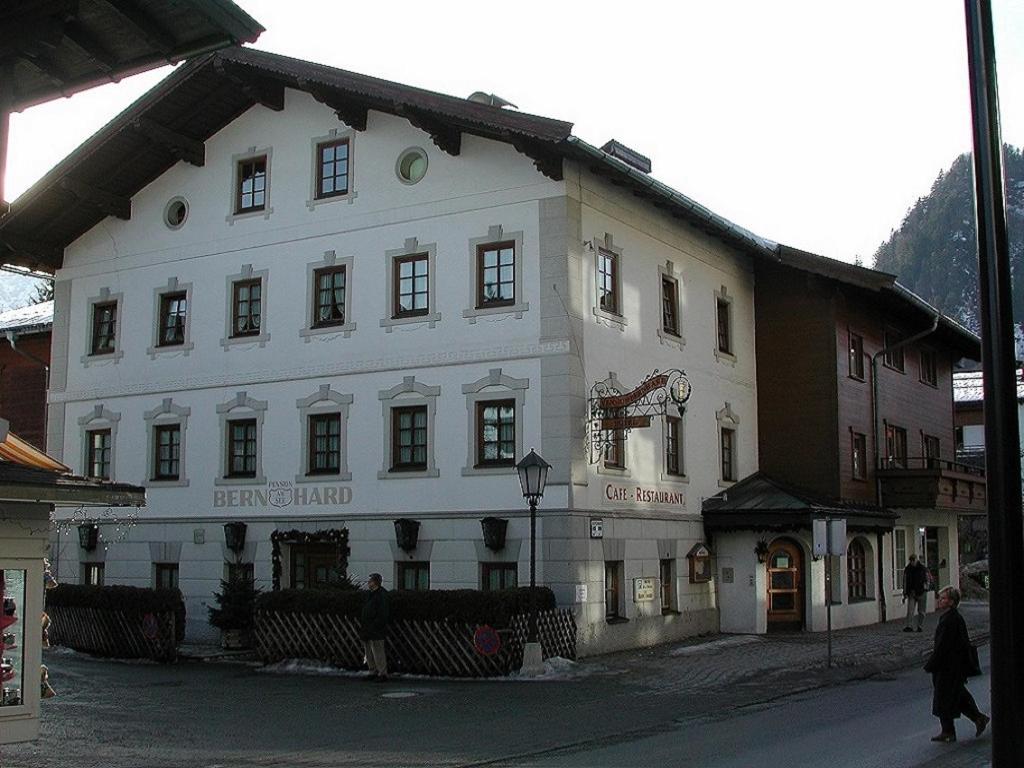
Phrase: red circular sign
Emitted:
{"points": [[150, 627], [486, 640]]}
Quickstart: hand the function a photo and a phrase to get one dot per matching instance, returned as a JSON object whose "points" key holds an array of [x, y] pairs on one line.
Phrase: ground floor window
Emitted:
{"points": [[240, 572], [314, 566], [613, 589], [92, 574], [899, 553], [498, 576], [856, 571], [166, 576], [415, 576], [666, 570]]}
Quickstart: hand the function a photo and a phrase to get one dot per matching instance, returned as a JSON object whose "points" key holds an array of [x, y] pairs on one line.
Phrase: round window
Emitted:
{"points": [[176, 212], [412, 165]]}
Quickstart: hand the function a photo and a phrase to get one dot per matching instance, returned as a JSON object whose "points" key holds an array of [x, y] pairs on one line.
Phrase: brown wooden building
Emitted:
{"points": [[24, 367], [855, 412]]}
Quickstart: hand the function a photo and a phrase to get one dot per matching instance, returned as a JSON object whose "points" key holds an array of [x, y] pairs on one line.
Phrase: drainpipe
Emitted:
{"points": [[874, 437]]}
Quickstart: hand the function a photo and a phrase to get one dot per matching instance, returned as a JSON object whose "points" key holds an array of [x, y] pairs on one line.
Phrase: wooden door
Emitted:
{"points": [[785, 586]]}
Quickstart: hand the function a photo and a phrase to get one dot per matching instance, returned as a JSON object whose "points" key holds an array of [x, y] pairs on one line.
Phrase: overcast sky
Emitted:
{"points": [[817, 124]]}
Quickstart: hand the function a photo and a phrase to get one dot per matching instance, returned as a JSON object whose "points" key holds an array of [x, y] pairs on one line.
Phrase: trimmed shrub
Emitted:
{"points": [[470, 606], [118, 598]]}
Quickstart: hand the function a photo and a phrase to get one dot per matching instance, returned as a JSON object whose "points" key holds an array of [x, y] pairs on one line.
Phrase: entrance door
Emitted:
{"points": [[785, 586]]}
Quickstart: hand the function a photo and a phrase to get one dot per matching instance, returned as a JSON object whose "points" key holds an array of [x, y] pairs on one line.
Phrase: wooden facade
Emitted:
{"points": [[23, 386]]}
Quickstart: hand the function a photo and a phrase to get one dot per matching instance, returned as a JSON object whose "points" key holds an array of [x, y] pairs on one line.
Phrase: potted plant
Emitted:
{"points": [[234, 613]]}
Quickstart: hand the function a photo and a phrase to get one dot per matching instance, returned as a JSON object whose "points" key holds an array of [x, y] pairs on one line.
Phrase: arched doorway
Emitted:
{"points": [[785, 586]]}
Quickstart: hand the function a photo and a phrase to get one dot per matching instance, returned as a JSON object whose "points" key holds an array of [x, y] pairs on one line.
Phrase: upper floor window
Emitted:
{"points": [[930, 447], [496, 275], [104, 328], [496, 433], [246, 307], [251, 190], [856, 348], [895, 446], [173, 313], [858, 455], [608, 281], [669, 306], [167, 447], [242, 447], [724, 325], [329, 294], [674, 445], [893, 357], [412, 290], [409, 438], [929, 374], [332, 168], [98, 453], [728, 454], [325, 444], [615, 444]]}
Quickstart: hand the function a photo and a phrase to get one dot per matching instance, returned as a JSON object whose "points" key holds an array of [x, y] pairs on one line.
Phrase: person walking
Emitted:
{"points": [[374, 628], [915, 592], [949, 665]]}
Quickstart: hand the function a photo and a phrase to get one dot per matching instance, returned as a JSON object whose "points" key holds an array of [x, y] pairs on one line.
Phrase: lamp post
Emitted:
{"points": [[533, 476]]}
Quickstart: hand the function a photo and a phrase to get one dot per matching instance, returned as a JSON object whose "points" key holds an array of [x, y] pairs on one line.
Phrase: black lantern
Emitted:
{"points": [[234, 536], [494, 532], [88, 536], [406, 533], [533, 476]]}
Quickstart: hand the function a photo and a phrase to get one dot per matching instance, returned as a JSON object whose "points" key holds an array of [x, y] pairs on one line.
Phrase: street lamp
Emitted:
{"points": [[533, 476]]}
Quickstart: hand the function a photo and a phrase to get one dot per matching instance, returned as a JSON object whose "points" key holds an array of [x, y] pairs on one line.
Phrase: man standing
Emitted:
{"points": [[949, 664], [915, 592], [374, 628]]}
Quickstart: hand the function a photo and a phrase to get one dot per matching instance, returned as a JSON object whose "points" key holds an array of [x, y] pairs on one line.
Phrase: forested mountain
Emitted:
{"points": [[934, 252]]}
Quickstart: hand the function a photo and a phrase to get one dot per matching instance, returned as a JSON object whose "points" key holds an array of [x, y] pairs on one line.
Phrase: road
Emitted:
{"points": [[652, 707]]}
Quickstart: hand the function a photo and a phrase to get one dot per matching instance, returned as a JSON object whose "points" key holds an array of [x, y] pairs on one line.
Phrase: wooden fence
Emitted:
{"points": [[118, 634], [442, 648]]}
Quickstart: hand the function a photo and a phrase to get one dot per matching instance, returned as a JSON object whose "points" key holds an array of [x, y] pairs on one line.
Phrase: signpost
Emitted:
{"points": [[829, 541]]}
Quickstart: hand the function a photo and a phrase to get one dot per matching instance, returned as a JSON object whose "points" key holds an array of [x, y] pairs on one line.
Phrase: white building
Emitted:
{"points": [[309, 300]]}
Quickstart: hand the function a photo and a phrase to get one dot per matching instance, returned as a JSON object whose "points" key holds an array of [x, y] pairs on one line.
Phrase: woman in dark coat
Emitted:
{"points": [[949, 665]]}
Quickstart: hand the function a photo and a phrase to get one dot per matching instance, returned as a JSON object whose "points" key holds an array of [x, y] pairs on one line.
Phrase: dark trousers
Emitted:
{"points": [[967, 706]]}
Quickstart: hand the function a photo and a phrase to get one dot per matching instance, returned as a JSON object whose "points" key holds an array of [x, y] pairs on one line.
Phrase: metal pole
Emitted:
{"points": [[1002, 444], [532, 635], [828, 583]]}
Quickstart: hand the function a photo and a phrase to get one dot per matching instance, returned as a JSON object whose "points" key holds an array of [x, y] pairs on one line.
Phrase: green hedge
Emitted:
{"points": [[116, 598], [464, 605]]}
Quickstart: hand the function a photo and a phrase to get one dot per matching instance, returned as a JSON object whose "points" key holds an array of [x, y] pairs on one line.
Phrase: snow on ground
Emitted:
{"points": [[714, 645], [555, 669]]}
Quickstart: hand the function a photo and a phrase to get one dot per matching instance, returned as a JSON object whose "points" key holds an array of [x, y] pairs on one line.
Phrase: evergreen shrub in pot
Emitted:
{"points": [[233, 613]]}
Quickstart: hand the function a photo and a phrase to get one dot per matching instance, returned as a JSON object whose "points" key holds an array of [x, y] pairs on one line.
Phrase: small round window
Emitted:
{"points": [[176, 212], [412, 165]]}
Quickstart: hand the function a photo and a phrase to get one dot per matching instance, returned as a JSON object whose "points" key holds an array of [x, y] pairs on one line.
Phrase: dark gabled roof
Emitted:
{"points": [[759, 502], [54, 48], [22, 483], [887, 288], [173, 119]]}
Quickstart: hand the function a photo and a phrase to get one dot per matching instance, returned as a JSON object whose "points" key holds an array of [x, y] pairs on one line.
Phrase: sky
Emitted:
{"points": [[815, 124]]}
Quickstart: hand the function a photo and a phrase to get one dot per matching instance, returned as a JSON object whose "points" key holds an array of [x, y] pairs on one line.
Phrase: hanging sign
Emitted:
{"points": [[626, 422], [621, 401]]}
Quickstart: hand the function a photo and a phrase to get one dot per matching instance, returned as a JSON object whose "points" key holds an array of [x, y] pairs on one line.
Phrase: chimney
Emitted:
{"points": [[629, 156]]}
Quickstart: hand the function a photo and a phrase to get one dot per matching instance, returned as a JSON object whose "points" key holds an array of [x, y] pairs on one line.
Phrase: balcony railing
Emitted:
{"points": [[930, 462], [931, 483]]}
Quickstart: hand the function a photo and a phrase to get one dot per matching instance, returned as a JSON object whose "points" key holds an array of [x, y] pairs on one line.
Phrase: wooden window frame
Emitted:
{"points": [[396, 265], [481, 445], [614, 449], [931, 449], [856, 571], [318, 193], [929, 367], [248, 423], [899, 556], [241, 178], [504, 569], [316, 321], [109, 336], [613, 590], [396, 433], [106, 463], [180, 319], [667, 577], [416, 567], [723, 326], [858, 442], [894, 359], [159, 569], [670, 306], [324, 418], [611, 277], [855, 351], [158, 431], [89, 569], [674, 465], [895, 446], [236, 287], [727, 448], [482, 302]]}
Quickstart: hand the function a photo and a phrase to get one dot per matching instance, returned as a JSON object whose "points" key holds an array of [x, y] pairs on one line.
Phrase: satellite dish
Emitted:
{"points": [[491, 99]]}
